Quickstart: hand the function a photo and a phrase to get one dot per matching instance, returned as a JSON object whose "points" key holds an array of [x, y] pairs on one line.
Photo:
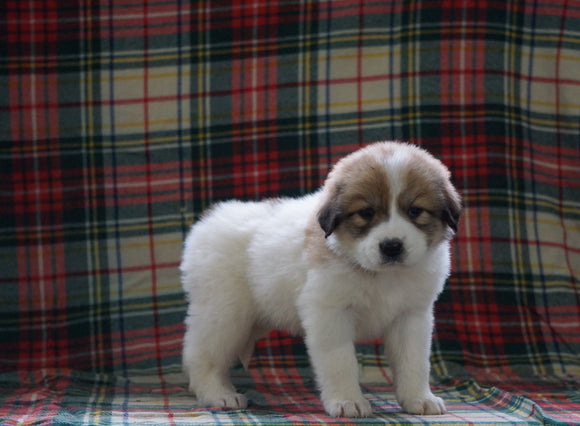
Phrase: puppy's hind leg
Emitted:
{"points": [[213, 340]]}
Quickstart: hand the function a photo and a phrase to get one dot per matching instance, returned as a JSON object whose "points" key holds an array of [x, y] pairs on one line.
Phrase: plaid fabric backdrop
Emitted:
{"points": [[121, 121]]}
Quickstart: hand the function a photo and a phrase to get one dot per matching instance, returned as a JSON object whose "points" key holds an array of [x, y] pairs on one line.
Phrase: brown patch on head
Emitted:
{"points": [[356, 195], [428, 199]]}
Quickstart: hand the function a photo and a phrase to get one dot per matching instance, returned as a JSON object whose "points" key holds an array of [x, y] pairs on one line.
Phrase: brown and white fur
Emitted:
{"points": [[364, 257]]}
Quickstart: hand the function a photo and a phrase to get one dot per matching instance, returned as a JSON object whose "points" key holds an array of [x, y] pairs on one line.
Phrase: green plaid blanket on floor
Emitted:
{"points": [[121, 121]]}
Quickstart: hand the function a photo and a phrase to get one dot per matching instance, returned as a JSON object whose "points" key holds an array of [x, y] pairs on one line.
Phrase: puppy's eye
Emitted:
{"points": [[414, 212], [367, 213]]}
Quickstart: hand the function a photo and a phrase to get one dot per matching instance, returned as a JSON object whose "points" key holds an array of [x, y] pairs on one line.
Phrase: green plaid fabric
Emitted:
{"points": [[121, 121]]}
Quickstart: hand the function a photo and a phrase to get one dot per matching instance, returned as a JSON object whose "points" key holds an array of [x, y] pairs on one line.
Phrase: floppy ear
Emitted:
{"points": [[452, 208], [329, 217]]}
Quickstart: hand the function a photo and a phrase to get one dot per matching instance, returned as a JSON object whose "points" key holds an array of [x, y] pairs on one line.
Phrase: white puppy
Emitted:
{"points": [[364, 257]]}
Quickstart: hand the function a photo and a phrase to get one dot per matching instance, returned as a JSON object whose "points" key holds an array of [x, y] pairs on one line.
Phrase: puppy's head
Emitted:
{"points": [[388, 204]]}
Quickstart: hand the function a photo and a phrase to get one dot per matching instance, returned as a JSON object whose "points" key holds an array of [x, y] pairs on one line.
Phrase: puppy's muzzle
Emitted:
{"points": [[392, 250]]}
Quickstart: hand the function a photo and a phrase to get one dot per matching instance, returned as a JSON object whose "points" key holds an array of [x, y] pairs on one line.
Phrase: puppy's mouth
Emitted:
{"points": [[393, 262]]}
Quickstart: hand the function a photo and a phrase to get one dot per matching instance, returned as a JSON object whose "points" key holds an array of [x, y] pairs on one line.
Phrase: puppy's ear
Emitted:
{"points": [[452, 208], [329, 217]]}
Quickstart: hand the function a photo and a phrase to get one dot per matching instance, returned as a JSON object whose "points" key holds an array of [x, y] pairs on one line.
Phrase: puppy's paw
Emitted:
{"points": [[359, 407], [232, 400], [427, 405]]}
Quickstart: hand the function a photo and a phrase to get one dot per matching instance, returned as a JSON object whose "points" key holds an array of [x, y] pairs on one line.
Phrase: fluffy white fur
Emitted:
{"points": [[250, 267]]}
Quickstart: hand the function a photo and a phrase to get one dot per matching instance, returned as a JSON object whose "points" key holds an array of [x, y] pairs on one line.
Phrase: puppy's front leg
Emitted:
{"points": [[330, 343], [407, 348]]}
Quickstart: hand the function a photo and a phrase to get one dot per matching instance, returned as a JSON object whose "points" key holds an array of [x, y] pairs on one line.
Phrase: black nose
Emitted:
{"points": [[391, 248]]}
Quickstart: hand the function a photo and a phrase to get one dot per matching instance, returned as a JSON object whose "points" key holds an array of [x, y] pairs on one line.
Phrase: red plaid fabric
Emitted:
{"points": [[120, 122]]}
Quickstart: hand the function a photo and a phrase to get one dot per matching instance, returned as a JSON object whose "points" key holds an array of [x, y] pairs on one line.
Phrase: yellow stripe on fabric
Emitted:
{"points": [[553, 267], [158, 243], [129, 305]]}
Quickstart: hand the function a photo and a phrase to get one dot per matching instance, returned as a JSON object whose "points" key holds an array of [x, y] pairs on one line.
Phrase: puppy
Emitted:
{"points": [[364, 257]]}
